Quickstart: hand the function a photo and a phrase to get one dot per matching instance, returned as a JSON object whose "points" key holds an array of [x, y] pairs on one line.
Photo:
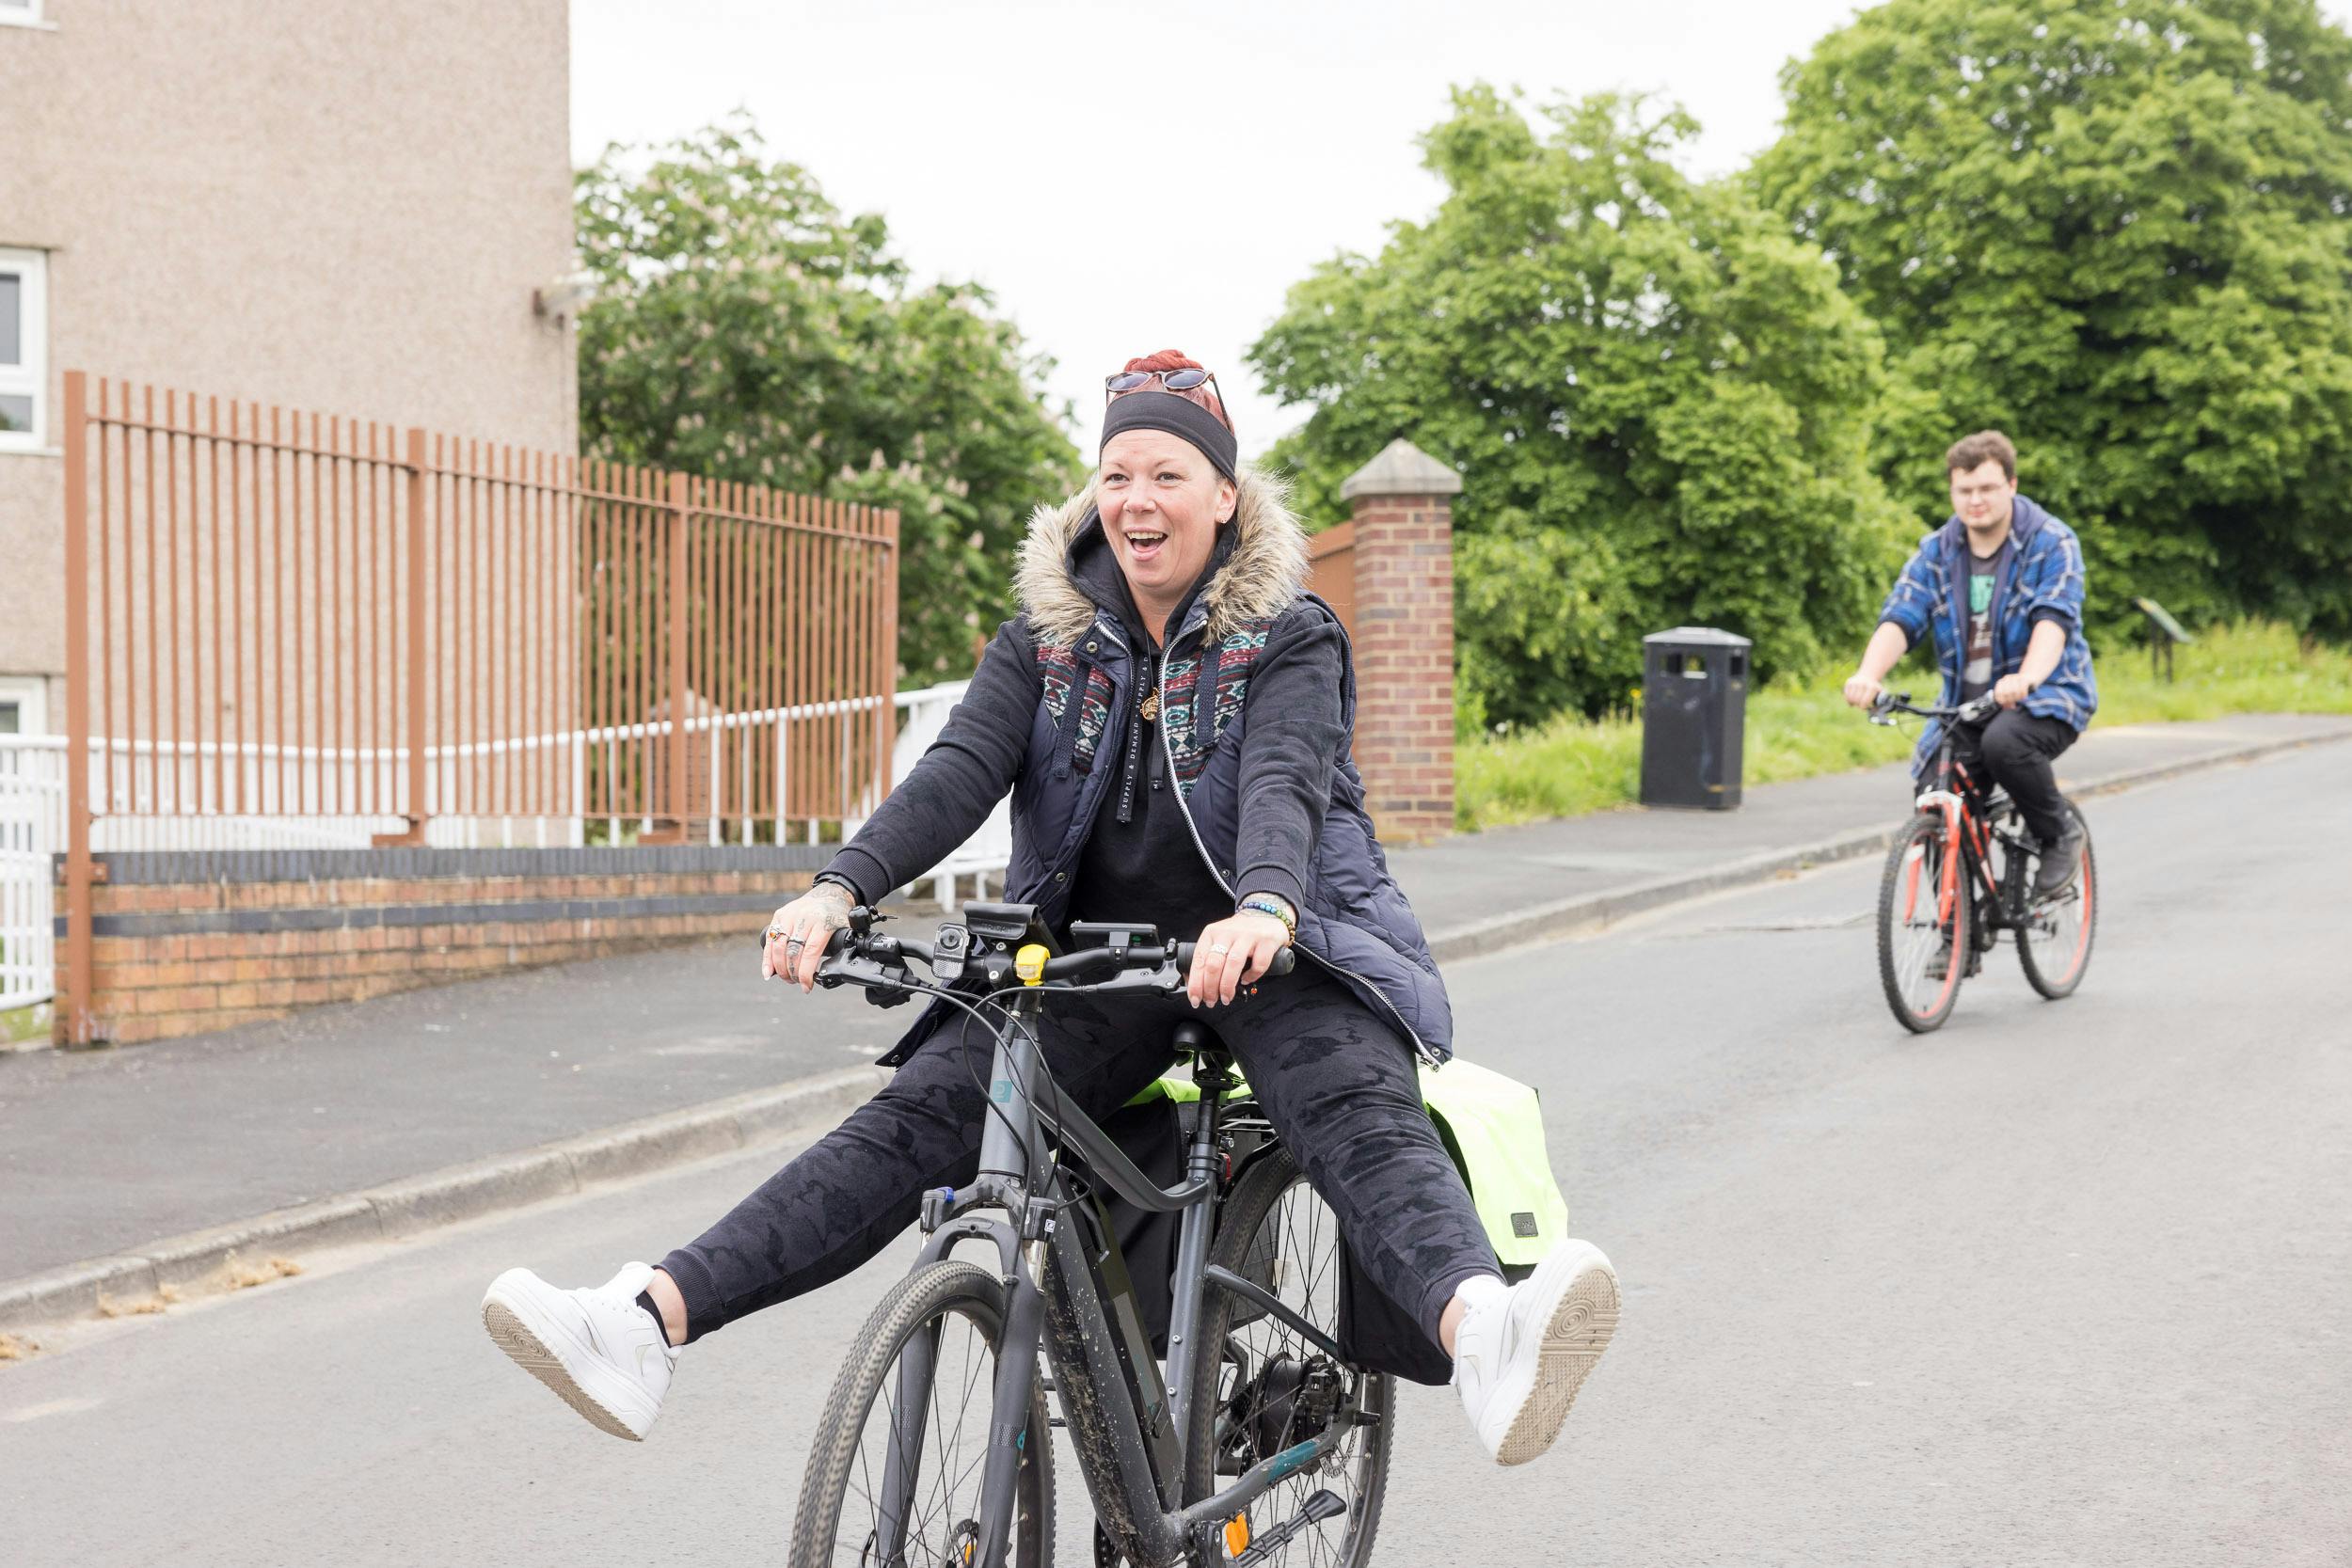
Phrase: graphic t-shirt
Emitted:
{"points": [[1976, 675]]}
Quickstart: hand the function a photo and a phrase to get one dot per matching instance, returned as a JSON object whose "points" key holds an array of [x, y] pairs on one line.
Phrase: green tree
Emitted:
{"points": [[1660, 402], [2121, 230], [744, 329]]}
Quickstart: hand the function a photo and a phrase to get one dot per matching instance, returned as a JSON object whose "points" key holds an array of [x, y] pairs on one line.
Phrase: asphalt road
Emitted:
{"points": [[2066, 1283]]}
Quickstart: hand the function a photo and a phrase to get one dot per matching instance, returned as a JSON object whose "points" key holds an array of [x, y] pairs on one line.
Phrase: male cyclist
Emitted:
{"points": [[2000, 584]]}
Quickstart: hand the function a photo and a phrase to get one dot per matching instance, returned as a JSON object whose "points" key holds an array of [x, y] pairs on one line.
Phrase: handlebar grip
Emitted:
{"points": [[1283, 962]]}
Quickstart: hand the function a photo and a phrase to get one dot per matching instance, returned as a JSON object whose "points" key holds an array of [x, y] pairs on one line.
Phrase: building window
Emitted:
{"points": [[23, 704], [24, 347], [23, 13]]}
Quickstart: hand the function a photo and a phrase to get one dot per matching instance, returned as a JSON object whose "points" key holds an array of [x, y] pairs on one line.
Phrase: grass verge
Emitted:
{"points": [[1798, 729], [20, 1024]]}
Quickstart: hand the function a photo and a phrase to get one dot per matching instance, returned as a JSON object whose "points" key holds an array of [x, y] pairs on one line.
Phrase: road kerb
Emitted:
{"points": [[192, 1261], [74, 1290], [401, 1209]]}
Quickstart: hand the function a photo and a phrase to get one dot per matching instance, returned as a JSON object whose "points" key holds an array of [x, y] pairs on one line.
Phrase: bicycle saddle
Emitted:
{"points": [[1200, 1042]]}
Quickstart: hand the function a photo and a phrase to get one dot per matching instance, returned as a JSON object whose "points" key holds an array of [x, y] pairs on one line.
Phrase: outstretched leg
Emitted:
{"points": [[1339, 1085], [1338, 1082], [833, 1207], [839, 1201]]}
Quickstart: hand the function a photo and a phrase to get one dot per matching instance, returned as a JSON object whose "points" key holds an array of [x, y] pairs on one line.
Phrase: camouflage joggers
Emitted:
{"points": [[1337, 1081]]}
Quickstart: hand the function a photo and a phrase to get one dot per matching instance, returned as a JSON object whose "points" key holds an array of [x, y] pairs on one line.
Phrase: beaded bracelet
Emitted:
{"points": [[1266, 903]]}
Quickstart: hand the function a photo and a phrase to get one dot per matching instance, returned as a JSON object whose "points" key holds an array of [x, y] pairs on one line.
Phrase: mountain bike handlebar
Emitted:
{"points": [[1887, 704]]}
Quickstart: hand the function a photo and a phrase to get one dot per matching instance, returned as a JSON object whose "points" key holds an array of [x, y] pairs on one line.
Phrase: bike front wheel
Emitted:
{"points": [[896, 1469], [1924, 925], [2054, 941], [1260, 1387]]}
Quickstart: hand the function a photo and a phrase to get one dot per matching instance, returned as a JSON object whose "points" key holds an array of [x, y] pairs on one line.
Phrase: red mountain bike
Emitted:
{"points": [[1943, 901]]}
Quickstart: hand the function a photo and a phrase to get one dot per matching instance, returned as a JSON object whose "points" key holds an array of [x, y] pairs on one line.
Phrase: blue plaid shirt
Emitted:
{"points": [[2038, 576]]}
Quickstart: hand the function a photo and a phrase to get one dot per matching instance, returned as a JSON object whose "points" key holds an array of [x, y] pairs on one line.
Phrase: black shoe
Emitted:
{"points": [[1941, 964], [2059, 861]]}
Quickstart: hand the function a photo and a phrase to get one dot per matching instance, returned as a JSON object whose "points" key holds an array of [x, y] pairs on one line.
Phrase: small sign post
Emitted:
{"points": [[2163, 635]]}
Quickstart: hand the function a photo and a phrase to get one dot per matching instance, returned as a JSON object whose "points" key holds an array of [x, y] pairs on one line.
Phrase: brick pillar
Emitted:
{"points": [[1403, 639]]}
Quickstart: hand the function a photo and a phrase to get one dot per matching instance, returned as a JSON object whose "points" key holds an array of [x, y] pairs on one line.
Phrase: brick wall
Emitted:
{"points": [[1403, 632], [190, 942]]}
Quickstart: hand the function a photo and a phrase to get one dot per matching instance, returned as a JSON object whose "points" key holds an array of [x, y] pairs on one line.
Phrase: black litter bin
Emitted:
{"points": [[1694, 709]]}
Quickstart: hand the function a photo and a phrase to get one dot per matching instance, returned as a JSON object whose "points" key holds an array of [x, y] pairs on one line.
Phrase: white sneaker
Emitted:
{"points": [[1523, 1351], [599, 1349]]}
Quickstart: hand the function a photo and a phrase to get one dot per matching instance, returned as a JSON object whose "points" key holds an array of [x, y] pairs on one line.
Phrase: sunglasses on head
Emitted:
{"points": [[1173, 381]]}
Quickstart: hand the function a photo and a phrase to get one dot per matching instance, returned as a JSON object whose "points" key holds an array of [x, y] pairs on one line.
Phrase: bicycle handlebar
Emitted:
{"points": [[1887, 702], [879, 961]]}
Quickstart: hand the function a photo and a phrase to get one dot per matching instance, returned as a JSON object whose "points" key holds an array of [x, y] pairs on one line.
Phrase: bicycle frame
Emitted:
{"points": [[1952, 797], [1069, 1290]]}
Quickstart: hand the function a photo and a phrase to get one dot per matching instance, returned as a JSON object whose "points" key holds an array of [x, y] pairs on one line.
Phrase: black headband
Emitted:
{"points": [[1179, 416]]}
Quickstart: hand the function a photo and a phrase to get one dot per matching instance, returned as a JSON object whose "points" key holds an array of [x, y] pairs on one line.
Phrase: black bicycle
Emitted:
{"points": [[1943, 901], [1261, 1438]]}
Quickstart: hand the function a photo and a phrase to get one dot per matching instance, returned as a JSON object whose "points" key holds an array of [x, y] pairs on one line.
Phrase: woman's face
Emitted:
{"points": [[1161, 501]]}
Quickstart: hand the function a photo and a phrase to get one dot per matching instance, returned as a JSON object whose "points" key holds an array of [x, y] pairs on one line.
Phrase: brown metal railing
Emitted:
{"points": [[275, 614], [1331, 570]]}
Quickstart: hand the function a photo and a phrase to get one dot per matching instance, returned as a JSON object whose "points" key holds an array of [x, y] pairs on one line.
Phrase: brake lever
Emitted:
{"points": [[859, 970], [1160, 981]]}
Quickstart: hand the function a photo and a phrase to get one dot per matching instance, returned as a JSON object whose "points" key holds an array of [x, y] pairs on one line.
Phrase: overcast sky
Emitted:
{"points": [[1129, 178]]}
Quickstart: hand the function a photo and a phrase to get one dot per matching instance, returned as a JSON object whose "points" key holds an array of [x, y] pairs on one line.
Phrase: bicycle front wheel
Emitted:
{"points": [[1924, 928], [2054, 943], [895, 1473], [1260, 1387]]}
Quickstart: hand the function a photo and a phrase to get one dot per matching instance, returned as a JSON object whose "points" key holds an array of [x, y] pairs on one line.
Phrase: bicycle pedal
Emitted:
{"points": [[1324, 1505]]}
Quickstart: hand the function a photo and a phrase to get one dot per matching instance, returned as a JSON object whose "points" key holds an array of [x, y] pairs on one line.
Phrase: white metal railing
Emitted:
{"points": [[986, 853], [32, 822], [33, 812], [191, 780]]}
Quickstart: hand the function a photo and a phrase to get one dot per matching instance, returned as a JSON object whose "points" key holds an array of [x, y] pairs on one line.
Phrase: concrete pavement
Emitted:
{"points": [[143, 1166], [2059, 1284]]}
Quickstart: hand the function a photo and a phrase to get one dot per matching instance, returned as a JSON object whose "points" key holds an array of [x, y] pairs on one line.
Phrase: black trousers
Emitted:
{"points": [[2014, 748], [1335, 1079]]}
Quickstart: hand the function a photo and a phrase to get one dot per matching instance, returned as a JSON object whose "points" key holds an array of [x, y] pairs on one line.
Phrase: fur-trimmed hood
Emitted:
{"points": [[1265, 571]]}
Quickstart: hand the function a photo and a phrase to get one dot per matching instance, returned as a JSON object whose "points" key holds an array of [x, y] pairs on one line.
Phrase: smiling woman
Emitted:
{"points": [[1172, 713]]}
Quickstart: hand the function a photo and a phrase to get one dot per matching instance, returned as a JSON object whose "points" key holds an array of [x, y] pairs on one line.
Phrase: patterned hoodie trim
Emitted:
{"points": [[1268, 569]]}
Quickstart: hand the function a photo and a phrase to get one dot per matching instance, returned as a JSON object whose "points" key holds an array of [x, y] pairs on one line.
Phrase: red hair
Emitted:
{"points": [[1176, 360]]}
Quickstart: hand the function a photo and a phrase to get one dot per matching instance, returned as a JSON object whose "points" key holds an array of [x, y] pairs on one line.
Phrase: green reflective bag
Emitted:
{"points": [[1493, 1126]]}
